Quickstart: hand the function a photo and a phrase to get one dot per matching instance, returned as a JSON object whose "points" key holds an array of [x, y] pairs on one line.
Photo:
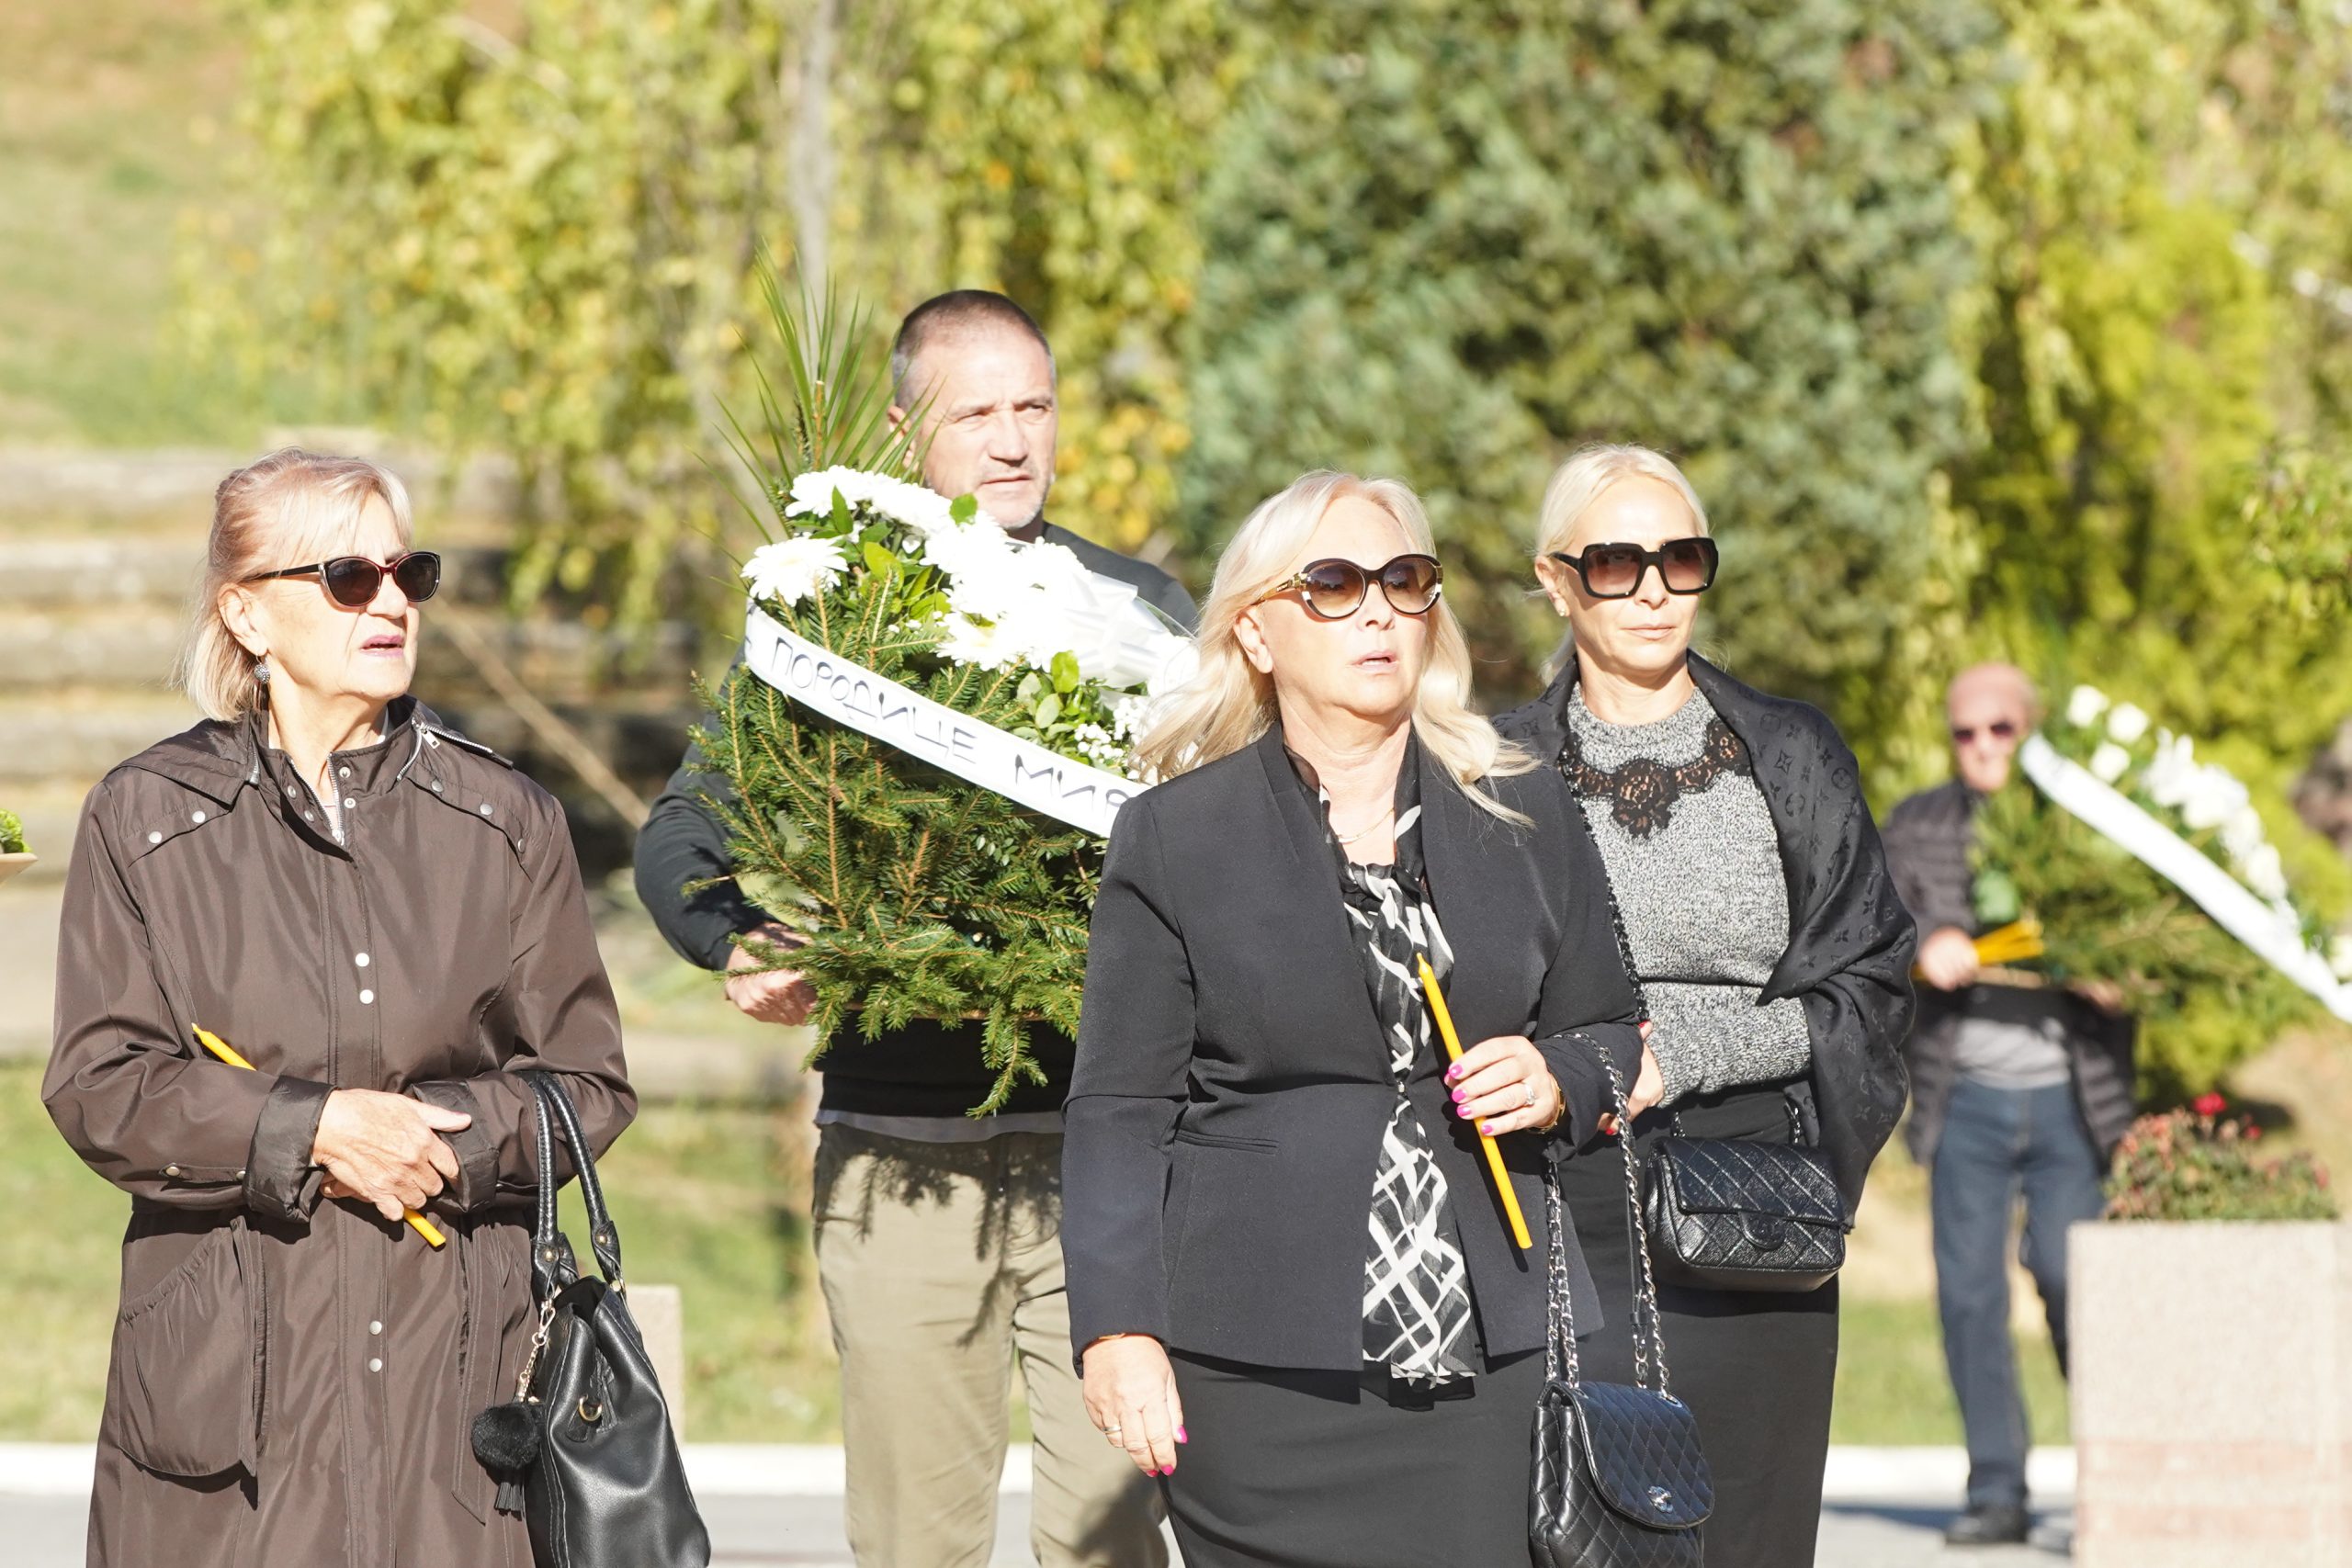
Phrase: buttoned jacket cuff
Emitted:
{"points": [[281, 1179], [475, 1144]]}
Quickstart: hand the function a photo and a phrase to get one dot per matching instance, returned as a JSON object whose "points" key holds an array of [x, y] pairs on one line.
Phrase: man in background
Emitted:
{"points": [[937, 1234], [2015, 1090]]}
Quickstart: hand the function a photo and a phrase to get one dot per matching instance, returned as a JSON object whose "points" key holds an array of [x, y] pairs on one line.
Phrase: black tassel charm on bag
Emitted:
{"points": [[506, 1436], [506, 1440]]}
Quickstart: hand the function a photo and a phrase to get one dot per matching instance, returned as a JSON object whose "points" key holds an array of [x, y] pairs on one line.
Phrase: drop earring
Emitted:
{"points": [[261, 682]]}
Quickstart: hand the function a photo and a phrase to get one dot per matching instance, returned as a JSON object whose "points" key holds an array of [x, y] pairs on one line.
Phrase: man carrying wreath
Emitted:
{"points": [[2013, 1089], [937, 1232]]}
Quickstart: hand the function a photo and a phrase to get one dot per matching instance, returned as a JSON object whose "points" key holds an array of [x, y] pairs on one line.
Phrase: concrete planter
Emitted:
{"points": [[2212, 1394], [13, 864]]}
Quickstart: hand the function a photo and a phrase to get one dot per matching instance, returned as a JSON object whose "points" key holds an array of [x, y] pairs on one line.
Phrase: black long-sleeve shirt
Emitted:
{"points": [[926, 1069]]}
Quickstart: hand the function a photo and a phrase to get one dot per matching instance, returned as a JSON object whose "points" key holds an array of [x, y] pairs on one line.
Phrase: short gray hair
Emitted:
{"points": [[958, 310]]}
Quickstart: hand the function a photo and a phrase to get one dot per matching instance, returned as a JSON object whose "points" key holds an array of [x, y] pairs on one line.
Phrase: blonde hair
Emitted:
{"points": [[1579, 482], [279, 510], [1228, 704], [1576, 484]]}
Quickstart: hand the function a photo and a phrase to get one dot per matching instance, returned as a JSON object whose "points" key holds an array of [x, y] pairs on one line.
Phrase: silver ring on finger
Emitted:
{"points": [[1113, 1433], [1529, 1104]]}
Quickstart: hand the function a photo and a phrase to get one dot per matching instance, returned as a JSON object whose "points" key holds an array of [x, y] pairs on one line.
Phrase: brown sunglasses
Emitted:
{"points": [[1333, 590], [352, 581]]}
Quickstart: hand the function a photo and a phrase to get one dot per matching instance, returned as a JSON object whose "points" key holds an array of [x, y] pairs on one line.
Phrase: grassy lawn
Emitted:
{"points": [[1891, 1384], [113, 119]]}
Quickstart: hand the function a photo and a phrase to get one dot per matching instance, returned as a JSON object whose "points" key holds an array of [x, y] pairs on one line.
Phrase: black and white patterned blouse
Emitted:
{"points": [[1415, 1289]]}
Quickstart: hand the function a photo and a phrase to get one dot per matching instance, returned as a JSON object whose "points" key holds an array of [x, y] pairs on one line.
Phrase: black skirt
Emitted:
{"points": [[1756, 1368], [1289, 1469]]}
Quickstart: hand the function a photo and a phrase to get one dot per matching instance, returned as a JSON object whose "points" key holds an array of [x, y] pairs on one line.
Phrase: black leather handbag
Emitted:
{"points": [[1734, 1215], [586, 1451], [1620, 1480]]}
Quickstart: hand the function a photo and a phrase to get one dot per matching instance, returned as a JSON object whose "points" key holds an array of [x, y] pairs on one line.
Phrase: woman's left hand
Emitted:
{"points": [[1503, 1085]]}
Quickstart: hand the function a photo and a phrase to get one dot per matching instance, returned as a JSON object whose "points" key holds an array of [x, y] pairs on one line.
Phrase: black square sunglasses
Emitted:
{"points": [[1333, 590], [352, 581], [1615, 571]]}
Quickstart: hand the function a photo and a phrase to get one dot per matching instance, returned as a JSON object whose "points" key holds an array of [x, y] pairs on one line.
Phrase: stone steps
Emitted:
{"points": [[71, 736]]}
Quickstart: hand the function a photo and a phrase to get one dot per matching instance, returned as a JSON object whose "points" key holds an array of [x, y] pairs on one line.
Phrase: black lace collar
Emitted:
{"points": [[1642, 793]]}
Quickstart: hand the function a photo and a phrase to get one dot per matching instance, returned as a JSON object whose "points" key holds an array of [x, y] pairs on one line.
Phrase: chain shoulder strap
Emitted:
{"points": [[1560, 1362]]}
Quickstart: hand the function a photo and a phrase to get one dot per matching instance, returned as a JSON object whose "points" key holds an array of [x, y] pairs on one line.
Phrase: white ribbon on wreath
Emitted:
{"points": [[843, 690], [2276, 939]]}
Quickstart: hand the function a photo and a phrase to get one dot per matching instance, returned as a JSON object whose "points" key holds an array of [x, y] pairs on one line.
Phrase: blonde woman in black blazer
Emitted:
{"points": [[1292, 1286]]}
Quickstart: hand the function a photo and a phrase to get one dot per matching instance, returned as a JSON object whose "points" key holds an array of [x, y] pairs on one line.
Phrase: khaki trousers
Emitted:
{"points": [[942, 1267]]}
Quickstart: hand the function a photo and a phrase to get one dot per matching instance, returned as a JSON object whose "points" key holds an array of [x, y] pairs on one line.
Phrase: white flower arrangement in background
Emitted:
{"points": [[2206, 802]]}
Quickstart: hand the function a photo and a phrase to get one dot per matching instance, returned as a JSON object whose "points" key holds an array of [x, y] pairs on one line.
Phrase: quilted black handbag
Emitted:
{"points": [[1734, 1215], [586, 1451], [1619, 1479]]}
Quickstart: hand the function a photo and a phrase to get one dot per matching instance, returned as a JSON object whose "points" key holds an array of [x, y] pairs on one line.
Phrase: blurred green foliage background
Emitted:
{"points": [[1976, 321]]}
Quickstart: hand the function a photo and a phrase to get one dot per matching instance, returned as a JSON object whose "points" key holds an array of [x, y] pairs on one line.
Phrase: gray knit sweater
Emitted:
{"points": [[1697, 873]]}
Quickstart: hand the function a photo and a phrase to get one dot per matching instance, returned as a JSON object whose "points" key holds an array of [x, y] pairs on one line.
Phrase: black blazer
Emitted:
{"points": [[1232, 1082]]}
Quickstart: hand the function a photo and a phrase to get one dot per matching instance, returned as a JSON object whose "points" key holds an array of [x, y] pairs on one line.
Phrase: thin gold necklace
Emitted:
{"points": [[1346, 838]]}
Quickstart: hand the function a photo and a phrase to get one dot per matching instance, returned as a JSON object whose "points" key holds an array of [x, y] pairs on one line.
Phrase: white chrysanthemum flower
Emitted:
{"points": [[2083, 704], [2265, 874], [2126, 723], [791, 569], [967, 641], [2108, 763], [2173, 772], [982, 565], [2213, 797], [2242, 834], [924, 511]]}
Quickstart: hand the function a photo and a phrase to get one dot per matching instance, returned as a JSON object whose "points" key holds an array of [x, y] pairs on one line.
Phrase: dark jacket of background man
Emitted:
{"points": [[928, 1068], [1928, 838]]}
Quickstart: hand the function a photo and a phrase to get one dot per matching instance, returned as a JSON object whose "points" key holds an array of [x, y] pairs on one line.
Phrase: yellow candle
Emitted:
{"points": [[222, 1048], [1486, 1141]]}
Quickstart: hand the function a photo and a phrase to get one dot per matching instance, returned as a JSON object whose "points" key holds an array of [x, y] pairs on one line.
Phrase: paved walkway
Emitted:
{"points": [[780, 1507]]}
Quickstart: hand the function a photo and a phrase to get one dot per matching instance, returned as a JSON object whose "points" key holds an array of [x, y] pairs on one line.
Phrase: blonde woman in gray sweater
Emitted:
{"points": [[1770, 946]]}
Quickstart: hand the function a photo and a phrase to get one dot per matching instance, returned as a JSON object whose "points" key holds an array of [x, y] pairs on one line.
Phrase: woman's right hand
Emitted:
{"points": [[1649, 1085], [1131, 1399], [386, 1149]]}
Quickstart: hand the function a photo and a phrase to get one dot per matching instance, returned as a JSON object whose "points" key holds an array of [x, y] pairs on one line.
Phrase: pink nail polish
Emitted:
{"points": [[1487, 1128], [1459, 1096], [1181, 1437]]}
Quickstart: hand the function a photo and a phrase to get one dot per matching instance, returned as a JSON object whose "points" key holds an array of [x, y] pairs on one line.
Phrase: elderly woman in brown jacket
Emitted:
{"points": [[386, 922]]}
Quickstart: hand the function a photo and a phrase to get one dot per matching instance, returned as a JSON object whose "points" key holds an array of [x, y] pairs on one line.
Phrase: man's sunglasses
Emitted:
{"points": [[1615, 571], [1999, 729], [352, 581], [1334, 590]]}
